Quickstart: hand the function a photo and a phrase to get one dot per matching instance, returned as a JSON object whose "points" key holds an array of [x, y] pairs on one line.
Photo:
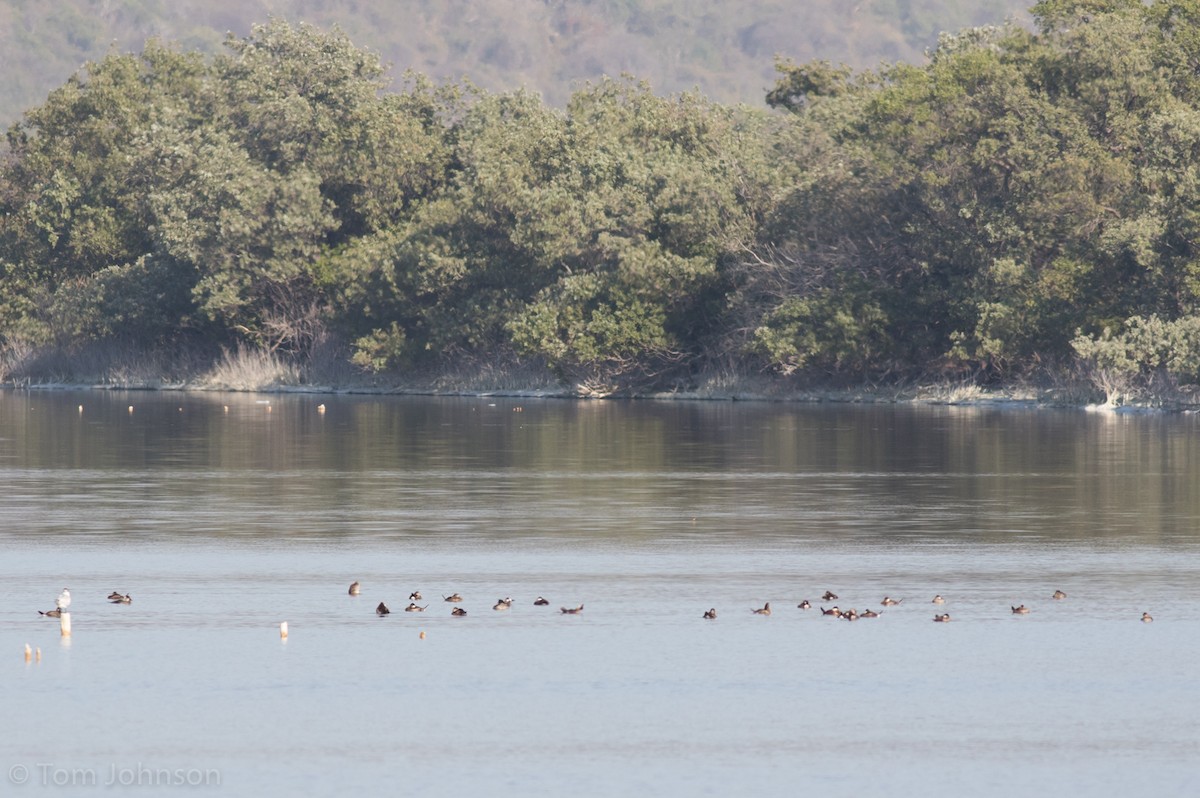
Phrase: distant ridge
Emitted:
{"points": [[724, 49]]}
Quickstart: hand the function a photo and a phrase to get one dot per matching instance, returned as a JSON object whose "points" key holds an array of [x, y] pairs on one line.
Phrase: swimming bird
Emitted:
{"points": [[382, 609], [829, 596], [764, 610], [888, 601], [572, 610], [1022, 610], [458, 611], [64, 599], [354, 589], [850, 615], [121, 599], [414, 608], [1058, 594], [1146, 617], [415, 595], [115, 596], [938, 599], [711, 614], [870, 614], [541, 602], [942, 618], [804, 605], [453, 597], [51, 613], [502, 604], [834, 611]]}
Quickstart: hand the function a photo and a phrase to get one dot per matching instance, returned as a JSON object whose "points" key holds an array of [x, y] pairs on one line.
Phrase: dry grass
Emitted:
{"points": [[247, 369]]}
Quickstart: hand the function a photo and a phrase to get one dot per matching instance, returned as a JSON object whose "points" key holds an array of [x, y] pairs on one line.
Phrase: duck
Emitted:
{"points": [[850, 615], [834, 611], [452, 597], [121, 599], [502, 604], [711, 614], [829, 596], [414, 608], [382, 609], [415, 595], [572, 610], [541, 602], [458, 612], [1022, 610], [804, 605], [764, 610], [115, 596], [888, 601], [1058, 594], [870, 614], [942, 618], [1146, 617], [938, 599], [355, 589], [51, 614]]}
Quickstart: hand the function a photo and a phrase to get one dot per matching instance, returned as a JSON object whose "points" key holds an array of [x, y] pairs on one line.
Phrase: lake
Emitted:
{"points": [[222, 515]]}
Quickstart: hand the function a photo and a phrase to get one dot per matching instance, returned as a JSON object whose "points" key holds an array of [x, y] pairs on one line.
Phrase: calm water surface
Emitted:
{"points": [[223, 515]]}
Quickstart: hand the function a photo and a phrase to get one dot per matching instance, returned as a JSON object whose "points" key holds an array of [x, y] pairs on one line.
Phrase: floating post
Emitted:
{"points": [[38, 654], [28, 652], [226, 408], [320, 408], [81, 410], [131, 408], [283, 631], [64, 624]]}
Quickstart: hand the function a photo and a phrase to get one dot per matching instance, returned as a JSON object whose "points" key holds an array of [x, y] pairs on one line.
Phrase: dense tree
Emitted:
{"points": [[1025, 198]]}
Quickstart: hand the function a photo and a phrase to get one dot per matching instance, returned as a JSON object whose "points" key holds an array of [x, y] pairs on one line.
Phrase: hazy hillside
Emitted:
{"points": [[724, 48]]}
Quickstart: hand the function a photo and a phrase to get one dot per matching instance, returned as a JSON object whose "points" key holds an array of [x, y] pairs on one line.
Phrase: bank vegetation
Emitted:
{"points": [[1022, 210]]}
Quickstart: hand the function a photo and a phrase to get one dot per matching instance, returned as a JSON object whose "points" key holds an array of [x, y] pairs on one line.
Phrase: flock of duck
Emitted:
{"points": [[853, 615], [710, 614], [454, 598], [116, 597]]}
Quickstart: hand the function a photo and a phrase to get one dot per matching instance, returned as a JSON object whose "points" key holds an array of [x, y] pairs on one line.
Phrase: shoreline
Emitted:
{"points": [[945, 395]]}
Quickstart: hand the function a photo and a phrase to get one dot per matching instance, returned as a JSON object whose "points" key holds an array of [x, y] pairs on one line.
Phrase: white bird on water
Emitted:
{"points": [[64, 599]]}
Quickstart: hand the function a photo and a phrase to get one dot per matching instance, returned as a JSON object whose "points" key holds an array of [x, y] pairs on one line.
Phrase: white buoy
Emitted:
{"points": [[283, 631], [64, 624]]}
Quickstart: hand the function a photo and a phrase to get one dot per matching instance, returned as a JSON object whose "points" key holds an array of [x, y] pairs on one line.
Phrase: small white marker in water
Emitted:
{"points": [[226, 408], [37, 654], [81, 410], [28, 652], [283, 631], [131, 408], [320, 408]]}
